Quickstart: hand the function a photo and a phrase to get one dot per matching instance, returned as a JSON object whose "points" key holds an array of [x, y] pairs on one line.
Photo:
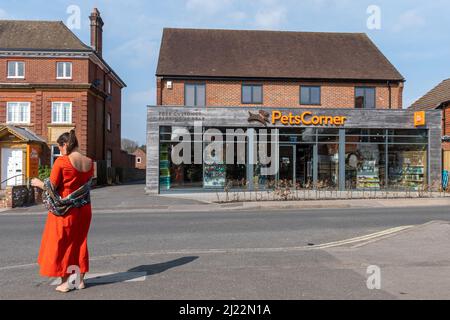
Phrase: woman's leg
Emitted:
{"points": [[64, 286], [82, 284]]}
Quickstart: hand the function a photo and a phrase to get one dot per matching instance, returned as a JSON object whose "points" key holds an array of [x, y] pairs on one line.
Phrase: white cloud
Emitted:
{"points": [[408, 20], [141, 98], [207, 7], [139, 52], [238, 16], [270, 18], [3, 14]]}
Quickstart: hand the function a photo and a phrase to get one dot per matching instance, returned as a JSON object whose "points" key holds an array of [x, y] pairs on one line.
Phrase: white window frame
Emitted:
{"points": [[62, 103], [109, 158], [64, 64], [108, 121], [28, 116], [16, 70], [109, 86], [138, 160]]}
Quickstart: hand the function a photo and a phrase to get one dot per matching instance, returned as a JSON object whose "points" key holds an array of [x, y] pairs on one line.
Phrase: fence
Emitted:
{"points": [[281, 193]]}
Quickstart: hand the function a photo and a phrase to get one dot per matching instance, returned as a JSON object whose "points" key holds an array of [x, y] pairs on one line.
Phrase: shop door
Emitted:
{"points": [[12, 167], [304, 166], [287, 166]]}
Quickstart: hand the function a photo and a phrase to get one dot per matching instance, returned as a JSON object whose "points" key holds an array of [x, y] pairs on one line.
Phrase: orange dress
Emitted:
{"points": [[64, 241]]}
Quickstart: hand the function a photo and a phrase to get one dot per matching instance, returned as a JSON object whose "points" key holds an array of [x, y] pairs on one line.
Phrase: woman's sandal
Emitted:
{"points": [[63, 289]]}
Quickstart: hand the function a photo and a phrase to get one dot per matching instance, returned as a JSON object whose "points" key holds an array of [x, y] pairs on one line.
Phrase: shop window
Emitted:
{"points": [[18, 112], [407, 166], [328, 166], [365, 98], [64, 70], [194, 95], [61, 112], [365, 166], [174, 176], [310, 95], [252, 94], [16, 69]]}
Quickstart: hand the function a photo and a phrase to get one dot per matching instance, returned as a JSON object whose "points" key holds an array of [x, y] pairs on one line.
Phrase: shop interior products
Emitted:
{"points": [[164, 171], [408, 169]]}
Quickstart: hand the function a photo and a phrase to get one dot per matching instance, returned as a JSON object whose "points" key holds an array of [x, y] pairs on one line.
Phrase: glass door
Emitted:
{"points": [[287, 166]]}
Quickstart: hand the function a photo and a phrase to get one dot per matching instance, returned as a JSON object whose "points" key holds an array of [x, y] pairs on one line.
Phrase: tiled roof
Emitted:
{"points": [[272, 54], [38, 35], [434, 98], [23, 133]]}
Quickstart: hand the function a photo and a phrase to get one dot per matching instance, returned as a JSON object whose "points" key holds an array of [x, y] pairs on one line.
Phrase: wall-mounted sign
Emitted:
{"points": [[419, 118], [33, 153], [307, 118]]}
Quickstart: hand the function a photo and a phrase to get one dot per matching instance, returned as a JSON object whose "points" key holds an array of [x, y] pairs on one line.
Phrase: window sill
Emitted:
{"points": [[64, 78], [26, 124], [54, 124], [16, 78]]}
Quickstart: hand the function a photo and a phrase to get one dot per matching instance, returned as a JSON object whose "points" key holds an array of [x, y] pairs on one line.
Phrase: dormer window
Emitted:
{"points": [[64, 70], [16, 69]]}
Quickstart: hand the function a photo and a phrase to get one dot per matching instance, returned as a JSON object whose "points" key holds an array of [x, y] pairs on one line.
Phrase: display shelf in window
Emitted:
{"points": [[368, 176], [164, 168], [214, 172]]}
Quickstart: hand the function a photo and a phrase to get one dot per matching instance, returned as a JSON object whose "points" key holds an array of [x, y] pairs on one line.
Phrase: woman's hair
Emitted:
{"points": [[70, 138]]}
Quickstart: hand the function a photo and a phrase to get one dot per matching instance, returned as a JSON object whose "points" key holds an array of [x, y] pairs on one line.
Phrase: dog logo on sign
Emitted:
{"points": [[261, 117]]}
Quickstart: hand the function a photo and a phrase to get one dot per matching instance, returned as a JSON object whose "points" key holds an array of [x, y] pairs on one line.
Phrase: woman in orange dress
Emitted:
{"points": [[64, 241]]}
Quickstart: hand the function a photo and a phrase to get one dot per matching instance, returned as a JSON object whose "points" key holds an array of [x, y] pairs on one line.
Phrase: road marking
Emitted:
{"points": [[364, 239]]}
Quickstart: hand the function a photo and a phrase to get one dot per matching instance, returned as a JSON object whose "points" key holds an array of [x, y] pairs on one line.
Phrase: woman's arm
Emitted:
{"points": [[37, 183], [55, 177]]}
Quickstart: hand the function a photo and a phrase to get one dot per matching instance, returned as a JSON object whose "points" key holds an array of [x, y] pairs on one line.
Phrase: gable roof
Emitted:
{"points": [[39, 35], [23, 134], [434, 98], [272, 54]]}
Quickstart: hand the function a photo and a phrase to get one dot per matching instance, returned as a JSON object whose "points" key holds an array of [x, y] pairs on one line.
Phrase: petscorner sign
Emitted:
{"points": [[306, 118]]}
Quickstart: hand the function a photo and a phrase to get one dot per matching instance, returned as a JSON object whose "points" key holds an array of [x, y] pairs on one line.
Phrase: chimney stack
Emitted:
{"points": [[96, 31]]}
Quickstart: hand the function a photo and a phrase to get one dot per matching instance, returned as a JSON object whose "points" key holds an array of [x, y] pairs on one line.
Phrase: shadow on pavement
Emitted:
{"points": [[138, 273]]}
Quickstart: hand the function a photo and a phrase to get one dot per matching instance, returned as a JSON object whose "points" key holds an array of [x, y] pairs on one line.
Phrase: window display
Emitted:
{"points": [[408, 168]]}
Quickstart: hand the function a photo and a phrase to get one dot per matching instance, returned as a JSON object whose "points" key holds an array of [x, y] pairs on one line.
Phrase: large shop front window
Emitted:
{"points": [[306, 158]]}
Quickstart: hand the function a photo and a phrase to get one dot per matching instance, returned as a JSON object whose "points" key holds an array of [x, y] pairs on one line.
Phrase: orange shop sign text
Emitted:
{"points": [[307, 118]]}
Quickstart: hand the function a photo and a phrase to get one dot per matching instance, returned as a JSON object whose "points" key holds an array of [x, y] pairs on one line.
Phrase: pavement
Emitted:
{"points": [[244, 254], [131, 198]]}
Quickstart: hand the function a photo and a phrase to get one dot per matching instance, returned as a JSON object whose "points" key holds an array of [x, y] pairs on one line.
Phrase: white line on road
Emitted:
{"points": [[365, 238]]}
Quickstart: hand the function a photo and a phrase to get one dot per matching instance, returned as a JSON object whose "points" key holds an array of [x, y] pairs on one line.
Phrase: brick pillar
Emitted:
{"points": [[159, 91]]}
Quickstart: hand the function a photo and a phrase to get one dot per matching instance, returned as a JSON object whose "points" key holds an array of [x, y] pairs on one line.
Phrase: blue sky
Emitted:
{"points": [[414, 34]]}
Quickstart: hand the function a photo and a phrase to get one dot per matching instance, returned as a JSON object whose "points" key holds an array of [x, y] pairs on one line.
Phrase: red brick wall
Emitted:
{"points": [[43, 70], [141, 154], [278, 94], [88, 108], [41, 106]]}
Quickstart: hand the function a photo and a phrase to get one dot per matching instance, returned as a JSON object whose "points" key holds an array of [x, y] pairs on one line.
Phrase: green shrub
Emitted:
{"points": [[44, 172]]}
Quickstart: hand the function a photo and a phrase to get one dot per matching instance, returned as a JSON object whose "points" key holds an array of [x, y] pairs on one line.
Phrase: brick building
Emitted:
{"points": [[439, 98], [332, 100], [51, 82], [141, 159], [339, 65]]}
